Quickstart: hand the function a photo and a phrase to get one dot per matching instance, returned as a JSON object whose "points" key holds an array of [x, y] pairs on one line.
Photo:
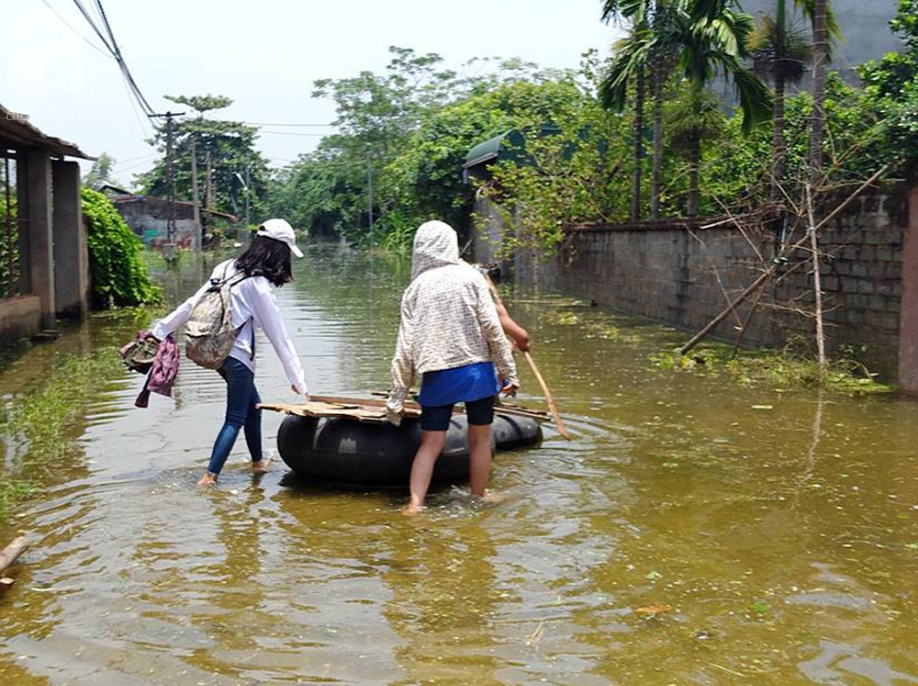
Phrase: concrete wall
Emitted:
{"points": [[71, 254], [19, 318], [686, 273]]}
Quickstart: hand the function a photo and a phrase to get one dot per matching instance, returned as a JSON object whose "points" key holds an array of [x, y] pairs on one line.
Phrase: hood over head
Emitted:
{"points": [[435, 245]]}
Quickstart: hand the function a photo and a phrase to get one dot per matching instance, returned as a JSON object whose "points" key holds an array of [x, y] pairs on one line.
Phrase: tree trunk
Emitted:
{"points": [[12, 551], [820, 58], [694, 176], [658, 80], [778, 145], [638, 145]]}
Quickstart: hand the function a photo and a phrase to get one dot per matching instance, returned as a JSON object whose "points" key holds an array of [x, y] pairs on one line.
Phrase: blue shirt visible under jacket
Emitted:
{"points": [[460, 384]]}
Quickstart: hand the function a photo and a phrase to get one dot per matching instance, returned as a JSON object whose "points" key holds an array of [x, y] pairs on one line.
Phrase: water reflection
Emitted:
{"points": [[692, 532]]}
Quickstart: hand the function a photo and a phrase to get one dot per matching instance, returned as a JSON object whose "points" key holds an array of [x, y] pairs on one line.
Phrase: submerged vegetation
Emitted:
{"points": [[778, 369], [41, 427]]}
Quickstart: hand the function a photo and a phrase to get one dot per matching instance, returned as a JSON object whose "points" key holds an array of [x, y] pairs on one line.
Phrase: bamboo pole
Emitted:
{"points": [[551, 401]]}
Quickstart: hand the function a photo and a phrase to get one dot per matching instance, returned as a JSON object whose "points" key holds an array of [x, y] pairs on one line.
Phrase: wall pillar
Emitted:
{"points": [[35, 227], [71, 258], [908, 316]]}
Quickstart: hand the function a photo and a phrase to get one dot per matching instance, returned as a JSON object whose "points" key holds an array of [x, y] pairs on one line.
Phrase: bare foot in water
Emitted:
{"points": [[260, 466], [413, 509], [207, 479], [489, 499]]}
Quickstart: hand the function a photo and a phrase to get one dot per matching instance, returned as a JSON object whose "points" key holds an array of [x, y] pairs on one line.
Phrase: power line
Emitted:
{"points": [[291, 133], [72, 28], [112, 45], [124, 68]]}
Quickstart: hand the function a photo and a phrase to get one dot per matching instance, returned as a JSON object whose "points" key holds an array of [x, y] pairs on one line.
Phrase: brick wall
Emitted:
{"points": [[684, 274]]}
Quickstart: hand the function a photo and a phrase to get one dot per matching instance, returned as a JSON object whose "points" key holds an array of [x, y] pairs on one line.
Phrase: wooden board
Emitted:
{"points": [[373, 410]]}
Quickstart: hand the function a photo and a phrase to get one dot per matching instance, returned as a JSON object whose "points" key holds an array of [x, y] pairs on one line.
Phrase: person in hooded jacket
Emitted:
{"points": [[265, 263], [450, 334]]}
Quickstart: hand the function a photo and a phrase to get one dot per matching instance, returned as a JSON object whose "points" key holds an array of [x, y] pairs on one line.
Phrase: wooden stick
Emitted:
{"points": [[12, 551], [551, 401]]}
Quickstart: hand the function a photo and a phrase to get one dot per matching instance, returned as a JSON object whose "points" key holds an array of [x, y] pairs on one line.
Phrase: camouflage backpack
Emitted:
{"points": [[209, 332]]}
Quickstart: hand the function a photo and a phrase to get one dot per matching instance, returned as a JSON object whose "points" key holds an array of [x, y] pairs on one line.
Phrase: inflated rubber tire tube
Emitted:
{"points": [[348, 452]]}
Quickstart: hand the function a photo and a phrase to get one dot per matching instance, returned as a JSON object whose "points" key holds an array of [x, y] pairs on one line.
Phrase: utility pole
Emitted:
{"points": [[195, 201], [169, 245], [248, 186], [370, 196]]}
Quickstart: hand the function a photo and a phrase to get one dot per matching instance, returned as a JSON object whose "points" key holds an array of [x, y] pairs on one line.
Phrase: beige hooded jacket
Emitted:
{"points": [[448, 316]]}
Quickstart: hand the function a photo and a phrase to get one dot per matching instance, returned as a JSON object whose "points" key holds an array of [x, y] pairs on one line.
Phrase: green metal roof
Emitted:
{"points": [[508, 145]]}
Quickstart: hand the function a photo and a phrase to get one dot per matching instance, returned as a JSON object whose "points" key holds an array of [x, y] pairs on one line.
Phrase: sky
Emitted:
{"points": [[264, 54]]}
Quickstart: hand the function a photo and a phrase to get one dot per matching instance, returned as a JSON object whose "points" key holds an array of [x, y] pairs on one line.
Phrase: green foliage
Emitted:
{"points": [[402, 137], [892, 87], [571, 168], [9, 247], [119, 275], [100, 172]]}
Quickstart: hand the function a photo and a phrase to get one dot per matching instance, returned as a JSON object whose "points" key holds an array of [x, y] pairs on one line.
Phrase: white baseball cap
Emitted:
{"points": [[280, 230]]}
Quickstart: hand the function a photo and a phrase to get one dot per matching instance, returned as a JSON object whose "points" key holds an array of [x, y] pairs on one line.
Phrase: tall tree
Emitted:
{"points": [[780, 54], [637, 11], [704, 38], [228, 145], [648, 48], [820, 67], [100, 172], [711, 40]]}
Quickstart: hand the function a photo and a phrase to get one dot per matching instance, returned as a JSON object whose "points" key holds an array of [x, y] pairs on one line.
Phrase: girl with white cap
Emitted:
{"points": [[264, 263]]}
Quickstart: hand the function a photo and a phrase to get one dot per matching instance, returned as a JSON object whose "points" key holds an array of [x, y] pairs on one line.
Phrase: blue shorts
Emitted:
{"points": [[479, 413]]}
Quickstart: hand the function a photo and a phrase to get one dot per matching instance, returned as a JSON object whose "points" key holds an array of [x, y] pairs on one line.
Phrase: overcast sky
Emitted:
{"points": [[264, 54]]}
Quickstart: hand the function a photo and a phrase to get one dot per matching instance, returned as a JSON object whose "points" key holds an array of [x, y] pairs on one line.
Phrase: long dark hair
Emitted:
{"points": [[267, 257]]}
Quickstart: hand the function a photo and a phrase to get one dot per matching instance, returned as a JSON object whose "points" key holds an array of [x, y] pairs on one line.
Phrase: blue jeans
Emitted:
{"points": [[241, 398]]}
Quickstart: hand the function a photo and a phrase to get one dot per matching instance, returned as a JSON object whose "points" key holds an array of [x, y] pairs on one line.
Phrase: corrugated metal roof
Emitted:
{"points": [[17, 133], [508, 143]]}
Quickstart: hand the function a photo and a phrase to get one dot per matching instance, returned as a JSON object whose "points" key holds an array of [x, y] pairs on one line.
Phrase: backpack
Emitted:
{"points": [[209, 332]]}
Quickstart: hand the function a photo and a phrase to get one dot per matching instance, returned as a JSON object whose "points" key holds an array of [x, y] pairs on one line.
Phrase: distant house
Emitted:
{"points": [[149, 215], [44, 273]]}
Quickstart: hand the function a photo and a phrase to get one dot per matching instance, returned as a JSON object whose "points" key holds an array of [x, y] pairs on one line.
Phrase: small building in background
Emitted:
{"points": [[149, 215]]}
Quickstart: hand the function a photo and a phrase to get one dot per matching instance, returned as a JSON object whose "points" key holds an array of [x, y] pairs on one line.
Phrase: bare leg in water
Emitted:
{"points": [[432, 443]]}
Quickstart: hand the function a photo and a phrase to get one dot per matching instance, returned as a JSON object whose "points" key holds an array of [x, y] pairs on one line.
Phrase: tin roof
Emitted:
{"points": [[17, 133], [508, 144]]}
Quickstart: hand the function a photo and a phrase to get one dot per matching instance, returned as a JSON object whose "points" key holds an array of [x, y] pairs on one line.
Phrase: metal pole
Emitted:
{"points": [[248, 190], [370, 196], [194, 193], [170, 172]]}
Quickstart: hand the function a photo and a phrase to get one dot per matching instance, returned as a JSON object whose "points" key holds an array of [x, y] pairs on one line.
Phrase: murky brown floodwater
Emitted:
{"points": [[780, 529]]}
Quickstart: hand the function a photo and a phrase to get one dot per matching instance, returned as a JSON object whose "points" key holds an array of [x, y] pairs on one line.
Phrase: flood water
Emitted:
{"points": [[692, 532]]}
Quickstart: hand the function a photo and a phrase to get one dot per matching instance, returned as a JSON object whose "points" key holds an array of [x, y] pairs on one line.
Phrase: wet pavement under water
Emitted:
{"points": [[692, 532]]}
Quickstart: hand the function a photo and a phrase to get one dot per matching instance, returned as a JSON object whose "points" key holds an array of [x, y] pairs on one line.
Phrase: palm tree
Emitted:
{"points": [[618, 11], [820, 60], [701, 37], [780, 54], [646, 48], [711, 41]]}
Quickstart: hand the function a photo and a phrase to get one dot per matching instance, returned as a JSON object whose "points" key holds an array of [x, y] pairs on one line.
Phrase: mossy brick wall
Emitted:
{"points": [[685, 273], [861, 273]]}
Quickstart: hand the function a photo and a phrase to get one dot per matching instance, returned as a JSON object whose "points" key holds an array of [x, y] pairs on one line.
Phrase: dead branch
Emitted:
{"points": [[764, 276], [13, 551]]}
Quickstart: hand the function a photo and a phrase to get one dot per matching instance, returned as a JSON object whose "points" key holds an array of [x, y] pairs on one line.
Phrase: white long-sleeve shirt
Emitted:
{"points": [[252, 304]]}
